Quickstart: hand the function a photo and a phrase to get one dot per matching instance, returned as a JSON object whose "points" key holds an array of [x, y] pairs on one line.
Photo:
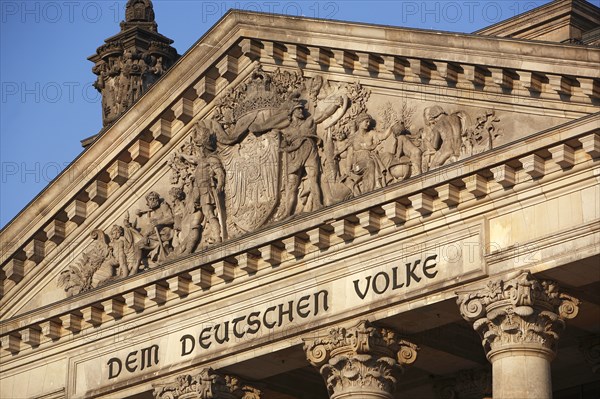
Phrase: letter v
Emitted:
{"points": [[362, 295]]}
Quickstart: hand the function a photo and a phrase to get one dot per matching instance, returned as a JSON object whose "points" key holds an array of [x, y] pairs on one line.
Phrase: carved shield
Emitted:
{"points": [[252, 181]]}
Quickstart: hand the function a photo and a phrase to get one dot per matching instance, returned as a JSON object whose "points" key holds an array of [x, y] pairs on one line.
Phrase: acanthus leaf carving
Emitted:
{"points": [[518, 310], [363, 357], [206, 384], [79, 277]]}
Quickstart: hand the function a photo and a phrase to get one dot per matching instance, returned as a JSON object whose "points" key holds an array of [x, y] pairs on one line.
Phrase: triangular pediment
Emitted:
{"points": [[268, 119]]}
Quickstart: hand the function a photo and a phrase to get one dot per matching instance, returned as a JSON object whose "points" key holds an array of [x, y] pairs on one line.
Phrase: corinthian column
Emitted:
{"points": [[359, 362], [519, 320], [206, 384]]}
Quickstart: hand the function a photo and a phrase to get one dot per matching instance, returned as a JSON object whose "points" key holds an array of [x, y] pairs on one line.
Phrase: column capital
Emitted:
{"points": [[360, 360], [206, 384], [518, 312]]}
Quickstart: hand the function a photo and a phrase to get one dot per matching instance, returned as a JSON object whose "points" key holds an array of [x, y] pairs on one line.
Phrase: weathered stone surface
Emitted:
{"points": [[519, 319], [360, 361], [206, 384], [267, 188], [131, 61]]}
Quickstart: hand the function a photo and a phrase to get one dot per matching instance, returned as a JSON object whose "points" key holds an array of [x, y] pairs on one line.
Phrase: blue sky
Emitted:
{"points": [[47, 103]]}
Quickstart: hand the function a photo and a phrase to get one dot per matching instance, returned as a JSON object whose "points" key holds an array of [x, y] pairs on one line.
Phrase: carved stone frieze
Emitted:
{"points": [[134, 246], [519, 311], [277, 145], [206, 384], [360, 360]]}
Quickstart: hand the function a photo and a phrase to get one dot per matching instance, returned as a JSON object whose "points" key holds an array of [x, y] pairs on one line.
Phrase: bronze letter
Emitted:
{"points": [[226, 336], [362, 295], [300, 307], [111, 373], [204, 338], [387, 283], [410, 272], [395, 286], [147, 356], [265, 322], [325, 301], [235, 323], [289, 312], [183, 340], [426, 266], [129, 361], [253, 323]]}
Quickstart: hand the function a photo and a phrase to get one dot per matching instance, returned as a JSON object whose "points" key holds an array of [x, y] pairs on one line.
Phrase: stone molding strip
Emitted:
{"points": [[465, 184], [480, 76], [411, 64]]}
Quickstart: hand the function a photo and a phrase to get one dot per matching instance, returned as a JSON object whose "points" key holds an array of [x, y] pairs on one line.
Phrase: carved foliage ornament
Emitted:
{"points": [[130, 62], [278, 145], [519, 310], [466, 384], [363, 358], [206, 384]]}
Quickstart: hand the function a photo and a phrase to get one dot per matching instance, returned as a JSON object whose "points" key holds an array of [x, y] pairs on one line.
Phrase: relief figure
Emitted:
{"points": [[367, 169], [207, 188], [122, 254], [299, 143], [155, 225], [442, 136], [302, 162], [187, 222], [277, 145]]}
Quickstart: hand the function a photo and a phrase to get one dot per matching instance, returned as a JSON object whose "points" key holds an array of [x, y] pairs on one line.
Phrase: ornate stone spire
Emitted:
{"points": [[360, 361], [139, 11], [131, 61]]}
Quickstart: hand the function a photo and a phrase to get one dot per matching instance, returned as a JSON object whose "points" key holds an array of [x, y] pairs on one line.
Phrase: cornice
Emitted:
{"points": [[526, 24]]}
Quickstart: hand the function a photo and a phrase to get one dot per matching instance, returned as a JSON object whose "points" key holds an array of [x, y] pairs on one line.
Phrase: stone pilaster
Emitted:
{"points": [[519, 320], [590, 348], [206, 384], [360, 362]]}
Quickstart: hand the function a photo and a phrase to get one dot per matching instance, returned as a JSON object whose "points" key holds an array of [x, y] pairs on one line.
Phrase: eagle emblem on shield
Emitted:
{"points": [[249, 119]]}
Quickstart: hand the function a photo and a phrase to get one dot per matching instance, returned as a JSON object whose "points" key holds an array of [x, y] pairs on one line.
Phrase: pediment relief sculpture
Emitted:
{"points": [[278, 145]]}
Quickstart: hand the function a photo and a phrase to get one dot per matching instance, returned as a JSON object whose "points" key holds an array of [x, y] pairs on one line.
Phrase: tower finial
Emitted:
{"points": [[131, 61], [139, 11]]}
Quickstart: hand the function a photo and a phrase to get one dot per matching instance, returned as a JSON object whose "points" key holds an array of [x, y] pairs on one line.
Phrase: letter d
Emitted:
{"points": [[111, 370], [187, 338]]}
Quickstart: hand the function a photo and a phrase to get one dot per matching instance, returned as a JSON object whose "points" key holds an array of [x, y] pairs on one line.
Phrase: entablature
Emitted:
{"points": [[488, 185]]}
